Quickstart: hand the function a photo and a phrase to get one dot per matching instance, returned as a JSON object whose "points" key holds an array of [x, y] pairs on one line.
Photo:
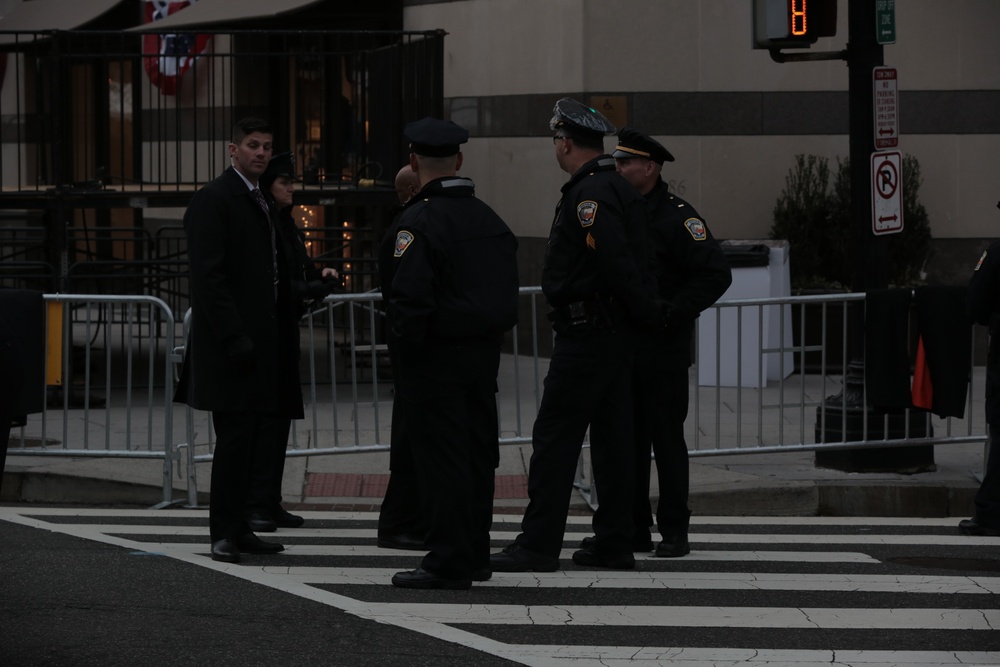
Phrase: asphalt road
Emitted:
{"points": [[95, 587]]}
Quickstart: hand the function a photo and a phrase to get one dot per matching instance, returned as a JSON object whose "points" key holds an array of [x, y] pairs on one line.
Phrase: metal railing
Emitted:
{"points": [[109, 382], [764, 373]]}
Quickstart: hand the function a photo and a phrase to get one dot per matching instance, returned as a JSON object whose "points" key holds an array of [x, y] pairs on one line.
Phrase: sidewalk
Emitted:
{"points": [[753, 484]]}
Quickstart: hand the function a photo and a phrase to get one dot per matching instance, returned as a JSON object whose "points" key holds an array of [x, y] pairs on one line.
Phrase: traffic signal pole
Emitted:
{"points": [[847, 417]]}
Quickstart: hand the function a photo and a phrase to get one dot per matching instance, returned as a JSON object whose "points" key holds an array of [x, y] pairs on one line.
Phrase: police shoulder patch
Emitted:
{"points": [[980, 262], [403, 241], [696, 228], [586, 212]]}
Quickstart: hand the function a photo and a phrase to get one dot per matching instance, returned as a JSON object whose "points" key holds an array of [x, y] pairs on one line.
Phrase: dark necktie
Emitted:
{"points": [[259, 198]]}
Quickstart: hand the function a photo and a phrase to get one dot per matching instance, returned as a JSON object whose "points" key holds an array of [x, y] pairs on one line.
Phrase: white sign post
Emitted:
{"points": [[887, 192], [886, 107]]}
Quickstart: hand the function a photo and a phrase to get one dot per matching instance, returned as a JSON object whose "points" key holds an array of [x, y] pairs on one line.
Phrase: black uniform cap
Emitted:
{"points": [[282, 164], [434, 137], [578, 118], [632, 143]]}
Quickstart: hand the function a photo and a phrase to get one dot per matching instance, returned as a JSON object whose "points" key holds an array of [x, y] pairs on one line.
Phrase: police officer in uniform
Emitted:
{"points": [[400, 521], [984, 308], [595, 279], [691, 274], [452, 294]]}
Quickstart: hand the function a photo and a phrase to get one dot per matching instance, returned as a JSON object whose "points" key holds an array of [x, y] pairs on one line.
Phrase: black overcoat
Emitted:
{"points": [[232, 294]]}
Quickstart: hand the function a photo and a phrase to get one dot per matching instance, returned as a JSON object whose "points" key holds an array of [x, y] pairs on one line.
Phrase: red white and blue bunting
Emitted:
{"points": [[166, 58]]}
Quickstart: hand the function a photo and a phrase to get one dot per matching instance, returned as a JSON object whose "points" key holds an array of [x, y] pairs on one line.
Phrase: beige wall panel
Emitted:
{"points": [[519, 178], [506, 47], [961, 183], [946, 45]]}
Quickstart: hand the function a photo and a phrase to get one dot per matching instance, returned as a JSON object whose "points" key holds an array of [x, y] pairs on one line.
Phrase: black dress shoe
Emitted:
{"points": [[252, 544], [674, 546], [401, 541], [482, 574], [973, 527], [421, 578], [592, 558], [226, 551], [286, 519], [261, 522], [638, 546], [515, 558]]}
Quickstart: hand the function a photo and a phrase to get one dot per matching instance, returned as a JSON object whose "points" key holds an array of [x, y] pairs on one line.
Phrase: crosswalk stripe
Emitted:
{"points": [[908, 584], [614, 656], [693, 617], [565, 554], [703, 538]]}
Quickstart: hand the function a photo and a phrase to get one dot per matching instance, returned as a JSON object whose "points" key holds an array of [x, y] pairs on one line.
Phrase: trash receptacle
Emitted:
{"points": [[730, 343]]}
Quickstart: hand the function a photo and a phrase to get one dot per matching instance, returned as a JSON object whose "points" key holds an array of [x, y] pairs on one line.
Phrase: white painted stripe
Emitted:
{"points": [[703, 538], [654, 656], [694, 617], [342, 550], [633, 579]]}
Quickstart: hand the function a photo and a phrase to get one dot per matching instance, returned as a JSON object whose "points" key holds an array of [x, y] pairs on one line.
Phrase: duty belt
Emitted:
{"points": [[593, 312]]}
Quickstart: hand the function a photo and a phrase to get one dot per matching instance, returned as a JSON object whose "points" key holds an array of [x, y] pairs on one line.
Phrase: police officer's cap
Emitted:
{"points": [[434, 137], [632, 143], [282, 164], [578, 118]]}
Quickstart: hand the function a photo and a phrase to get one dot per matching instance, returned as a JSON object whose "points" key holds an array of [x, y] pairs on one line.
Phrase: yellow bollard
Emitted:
{"points": [[54, 344]]}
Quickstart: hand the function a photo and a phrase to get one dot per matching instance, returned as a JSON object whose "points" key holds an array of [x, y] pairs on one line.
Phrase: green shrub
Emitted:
{"points": [[814, 216]]}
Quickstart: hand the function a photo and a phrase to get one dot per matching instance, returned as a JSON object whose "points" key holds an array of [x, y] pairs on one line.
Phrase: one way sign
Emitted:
{"points": [[887, 193]]}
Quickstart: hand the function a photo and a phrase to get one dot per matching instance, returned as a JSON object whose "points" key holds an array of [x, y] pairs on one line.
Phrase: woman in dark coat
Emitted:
{"points": [[305, 283]]}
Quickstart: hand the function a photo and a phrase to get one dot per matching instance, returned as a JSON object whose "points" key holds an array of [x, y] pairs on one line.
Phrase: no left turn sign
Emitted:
{"points": [[887, 192]]}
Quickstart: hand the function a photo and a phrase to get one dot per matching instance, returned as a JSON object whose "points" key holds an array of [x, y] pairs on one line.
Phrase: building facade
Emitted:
{"points": [[684, 71]]}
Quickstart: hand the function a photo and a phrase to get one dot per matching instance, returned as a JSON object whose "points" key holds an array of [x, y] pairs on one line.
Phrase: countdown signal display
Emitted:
{"points": [[792, 24]]}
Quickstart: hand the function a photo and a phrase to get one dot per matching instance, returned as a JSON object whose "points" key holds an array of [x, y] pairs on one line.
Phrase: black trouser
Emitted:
{"points": [[267, 469], [987, 498], [588, 384], [661, 406], [400, 511], [448, 394], [238, 435]]}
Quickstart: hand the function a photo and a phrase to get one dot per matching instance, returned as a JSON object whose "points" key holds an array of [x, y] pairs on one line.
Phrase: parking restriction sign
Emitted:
{"points": [[887, 192], [886, 107]]}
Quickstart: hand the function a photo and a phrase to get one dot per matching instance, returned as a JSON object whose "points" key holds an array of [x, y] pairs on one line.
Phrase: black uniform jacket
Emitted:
{"points": [[232, 294], [984, 308], [596, 246], [454, 268], [690, 268]]}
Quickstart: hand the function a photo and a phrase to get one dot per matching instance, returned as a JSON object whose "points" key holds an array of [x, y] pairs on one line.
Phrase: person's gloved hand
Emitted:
{"points": [[241, 356], [317, 289]]}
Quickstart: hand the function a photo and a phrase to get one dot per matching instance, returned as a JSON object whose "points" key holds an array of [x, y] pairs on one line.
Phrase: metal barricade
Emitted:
{"points": [[109, 382], [769, 391]]}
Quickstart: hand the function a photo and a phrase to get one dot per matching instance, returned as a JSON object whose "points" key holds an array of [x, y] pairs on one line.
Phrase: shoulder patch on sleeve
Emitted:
{"points": [[696, 228], [586, 212], [981, 260], [403, 241]]}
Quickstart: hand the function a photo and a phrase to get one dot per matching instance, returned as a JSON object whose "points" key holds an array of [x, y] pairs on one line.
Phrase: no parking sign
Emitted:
{"points": [[887, 192]]}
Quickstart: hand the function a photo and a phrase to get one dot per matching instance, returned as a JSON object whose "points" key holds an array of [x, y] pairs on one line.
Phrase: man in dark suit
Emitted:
{"points": [[242, 352]]}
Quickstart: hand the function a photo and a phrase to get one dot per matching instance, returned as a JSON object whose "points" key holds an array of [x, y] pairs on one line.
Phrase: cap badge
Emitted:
{"points": [[586, 211], [403, 241], [696, 228]]}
